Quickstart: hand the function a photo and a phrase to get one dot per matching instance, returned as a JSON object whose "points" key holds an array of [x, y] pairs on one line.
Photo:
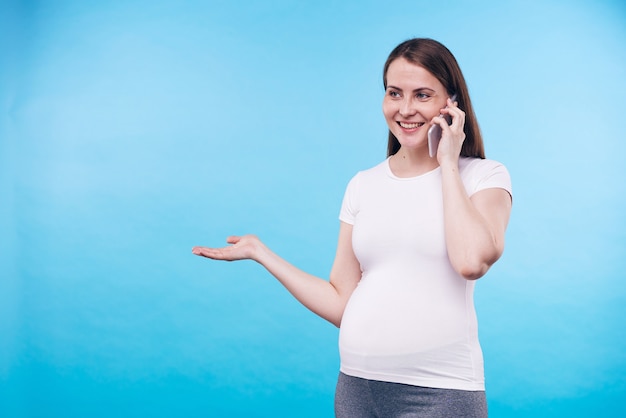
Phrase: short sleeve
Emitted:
{"points": [[349, 206], [486, 174]]}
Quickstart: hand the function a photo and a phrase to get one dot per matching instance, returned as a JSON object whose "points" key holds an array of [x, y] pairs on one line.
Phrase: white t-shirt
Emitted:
{"points": [[411, 319]]}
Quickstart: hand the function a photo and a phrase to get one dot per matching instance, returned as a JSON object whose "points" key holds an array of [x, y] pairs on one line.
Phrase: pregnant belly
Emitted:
{"points": [[411, 318]]}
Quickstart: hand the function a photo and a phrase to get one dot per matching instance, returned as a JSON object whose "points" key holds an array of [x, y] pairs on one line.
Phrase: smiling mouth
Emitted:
{"points": [[410, 125]]}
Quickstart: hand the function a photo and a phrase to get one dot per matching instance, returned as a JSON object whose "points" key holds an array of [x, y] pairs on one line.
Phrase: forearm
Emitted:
{"points": [[316, 294], [472, 244]]}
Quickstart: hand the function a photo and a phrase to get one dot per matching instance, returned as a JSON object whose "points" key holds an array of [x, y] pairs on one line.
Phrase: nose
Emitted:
{"points": [[407, 108]]}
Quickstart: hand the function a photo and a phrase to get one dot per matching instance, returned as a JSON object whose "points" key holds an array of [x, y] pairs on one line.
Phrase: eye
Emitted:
{"points": [[393, 94], [422, 96]]}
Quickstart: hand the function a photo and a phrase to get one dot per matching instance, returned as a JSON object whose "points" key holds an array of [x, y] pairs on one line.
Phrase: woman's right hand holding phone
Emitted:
{"points": [[452, 136]]}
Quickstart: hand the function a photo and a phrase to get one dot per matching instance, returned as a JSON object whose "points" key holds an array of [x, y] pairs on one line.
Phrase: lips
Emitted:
{"points": [[414, 125]]}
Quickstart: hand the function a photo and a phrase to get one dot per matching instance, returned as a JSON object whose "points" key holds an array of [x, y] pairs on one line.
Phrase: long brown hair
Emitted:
{"points": [[440, 62]]}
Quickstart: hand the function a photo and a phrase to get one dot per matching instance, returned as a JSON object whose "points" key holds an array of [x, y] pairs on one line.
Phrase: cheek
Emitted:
{"points": [[389, 110]]}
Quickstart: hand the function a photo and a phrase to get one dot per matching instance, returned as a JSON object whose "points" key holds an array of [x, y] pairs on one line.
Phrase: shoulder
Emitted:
{"points": [[377, 172], [358, 184], [379, 169], [472, 167], [479, 164]]}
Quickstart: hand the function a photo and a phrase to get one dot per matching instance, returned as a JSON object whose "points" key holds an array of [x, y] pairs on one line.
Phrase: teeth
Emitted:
{"points": [[411, 125]]}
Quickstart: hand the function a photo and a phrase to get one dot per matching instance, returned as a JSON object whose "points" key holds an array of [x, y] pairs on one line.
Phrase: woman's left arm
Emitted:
{"points": [[474, 226]]}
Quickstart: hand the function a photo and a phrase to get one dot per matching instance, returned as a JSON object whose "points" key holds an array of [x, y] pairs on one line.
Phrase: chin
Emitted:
{"points": [[413, 144]]}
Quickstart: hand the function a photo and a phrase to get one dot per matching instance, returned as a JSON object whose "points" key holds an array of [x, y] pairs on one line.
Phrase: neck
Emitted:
{"points": [[412, 162]]}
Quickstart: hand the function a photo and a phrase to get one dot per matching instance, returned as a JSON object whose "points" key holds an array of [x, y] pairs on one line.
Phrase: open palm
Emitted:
{"points": [[241, 248]]}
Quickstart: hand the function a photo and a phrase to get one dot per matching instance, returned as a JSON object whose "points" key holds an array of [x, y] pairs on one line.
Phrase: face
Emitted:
{"points": [[413, 97]]}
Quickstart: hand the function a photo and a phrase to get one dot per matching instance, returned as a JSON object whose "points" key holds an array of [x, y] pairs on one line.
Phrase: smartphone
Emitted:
{"points": [[434, 133]]}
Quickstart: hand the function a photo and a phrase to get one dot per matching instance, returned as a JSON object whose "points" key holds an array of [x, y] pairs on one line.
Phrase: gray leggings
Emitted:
{"points": [[362, 398]]}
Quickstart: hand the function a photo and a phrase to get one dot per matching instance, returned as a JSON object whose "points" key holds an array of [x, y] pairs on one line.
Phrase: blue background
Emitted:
{"points": [[132, 130]]}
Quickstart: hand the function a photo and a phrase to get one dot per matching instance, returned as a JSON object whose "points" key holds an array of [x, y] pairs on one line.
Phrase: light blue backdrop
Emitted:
{"points": [[132, 130]]}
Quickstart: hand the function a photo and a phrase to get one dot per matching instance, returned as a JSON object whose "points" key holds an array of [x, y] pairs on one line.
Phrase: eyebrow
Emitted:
{"points": [[415, 90]]}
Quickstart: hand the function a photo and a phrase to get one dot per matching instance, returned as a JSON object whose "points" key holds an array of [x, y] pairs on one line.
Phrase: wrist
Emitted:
{"points": [[449, 165], [261, 253]]}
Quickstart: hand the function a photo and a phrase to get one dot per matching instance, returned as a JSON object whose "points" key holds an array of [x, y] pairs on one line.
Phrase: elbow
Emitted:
{"points": [[335, 321], [330, 317], [473, 271], [337, 318], [334, 318], [476, 267]]}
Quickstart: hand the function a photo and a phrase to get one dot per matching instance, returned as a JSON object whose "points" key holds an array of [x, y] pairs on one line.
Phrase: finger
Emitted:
{"points": [[202, 251], [453, 111], [439, 120], [212, 253], [233, 239], [457, 116], [453, 108]]}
